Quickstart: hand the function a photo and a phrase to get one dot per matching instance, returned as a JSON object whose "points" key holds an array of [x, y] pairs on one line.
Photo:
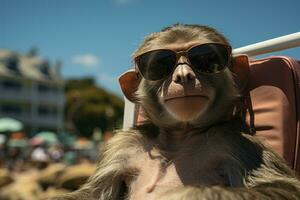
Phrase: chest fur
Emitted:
{"points": [[201, 165]]}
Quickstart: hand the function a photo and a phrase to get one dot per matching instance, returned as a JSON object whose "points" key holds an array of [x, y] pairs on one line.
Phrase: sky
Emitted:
{"points": [[97, 37]]}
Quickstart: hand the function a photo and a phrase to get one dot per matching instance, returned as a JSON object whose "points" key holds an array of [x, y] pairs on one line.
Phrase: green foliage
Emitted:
{"points": [[79, 83], [89, 106]]}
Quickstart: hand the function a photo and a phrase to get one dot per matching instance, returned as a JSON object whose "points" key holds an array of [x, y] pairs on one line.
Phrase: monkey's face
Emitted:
{"points": [[185, 95]]}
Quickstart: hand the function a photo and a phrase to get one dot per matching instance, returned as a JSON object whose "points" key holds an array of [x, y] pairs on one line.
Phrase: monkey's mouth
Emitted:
{"points": [[185, 96], [186, 107]]}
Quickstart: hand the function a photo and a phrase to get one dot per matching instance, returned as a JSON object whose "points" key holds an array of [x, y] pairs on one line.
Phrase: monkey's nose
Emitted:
{"points": [[183, 74]]}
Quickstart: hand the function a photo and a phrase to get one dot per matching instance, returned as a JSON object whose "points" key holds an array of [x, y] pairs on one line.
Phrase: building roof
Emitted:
{"points": [[29, 67]]}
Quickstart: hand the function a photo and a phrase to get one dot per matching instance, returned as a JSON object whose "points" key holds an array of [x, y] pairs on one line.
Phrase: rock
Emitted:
{"points": [[5, 177], [75, 176], [48, 176], [53, 192], [21, 190]]}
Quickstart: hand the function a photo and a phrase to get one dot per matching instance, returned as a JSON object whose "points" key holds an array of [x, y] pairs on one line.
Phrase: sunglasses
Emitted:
{"points": [[209, 58]]}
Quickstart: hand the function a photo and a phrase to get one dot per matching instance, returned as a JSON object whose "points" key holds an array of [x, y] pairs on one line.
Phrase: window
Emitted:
{"points": [[12, 64], [43, 88], [45, 69], [47, 111], [11, 109], [11, 85]]}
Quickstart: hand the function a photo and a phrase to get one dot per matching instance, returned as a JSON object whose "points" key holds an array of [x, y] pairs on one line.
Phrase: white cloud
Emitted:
{"points": [[86, 60], [123, 2]]}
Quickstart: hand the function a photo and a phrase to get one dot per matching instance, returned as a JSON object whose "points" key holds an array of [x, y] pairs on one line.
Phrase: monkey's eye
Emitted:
{"points": [[209, 58], [157, 64]]}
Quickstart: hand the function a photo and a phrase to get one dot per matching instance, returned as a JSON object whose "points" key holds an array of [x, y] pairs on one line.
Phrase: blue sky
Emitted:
{"points": [[96, 37]]}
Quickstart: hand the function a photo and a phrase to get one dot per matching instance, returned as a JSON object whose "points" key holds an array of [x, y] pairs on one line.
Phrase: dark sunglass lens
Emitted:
{"points": [[209, 58], [157, 64]]}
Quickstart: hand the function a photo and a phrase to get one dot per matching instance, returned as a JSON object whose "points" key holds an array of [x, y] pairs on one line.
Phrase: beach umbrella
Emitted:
{"points": [[10, 125], [36, 141], [67, 138], [47, 137], [17, 139], [17, 143]]}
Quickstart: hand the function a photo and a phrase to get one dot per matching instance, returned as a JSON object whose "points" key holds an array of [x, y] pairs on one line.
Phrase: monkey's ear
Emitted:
{"points": [[241, 70], [129, 83]]}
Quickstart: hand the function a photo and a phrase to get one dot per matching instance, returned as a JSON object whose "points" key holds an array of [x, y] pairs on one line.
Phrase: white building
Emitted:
{"points": [[32, 91]]}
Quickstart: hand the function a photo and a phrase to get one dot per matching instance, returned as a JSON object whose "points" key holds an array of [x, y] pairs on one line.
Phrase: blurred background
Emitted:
{"points": [[59, 63]]}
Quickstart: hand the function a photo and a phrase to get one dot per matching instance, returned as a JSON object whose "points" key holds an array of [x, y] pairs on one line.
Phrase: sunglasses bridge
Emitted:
{"points": [[187, 61], [180, 54]]}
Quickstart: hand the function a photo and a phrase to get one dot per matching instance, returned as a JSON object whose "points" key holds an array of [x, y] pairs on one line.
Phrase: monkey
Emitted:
{"points": [[192, 144]]}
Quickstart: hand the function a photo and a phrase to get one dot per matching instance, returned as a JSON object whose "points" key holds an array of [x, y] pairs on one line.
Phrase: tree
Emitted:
{"points": [[89, 106], [33, 51]]}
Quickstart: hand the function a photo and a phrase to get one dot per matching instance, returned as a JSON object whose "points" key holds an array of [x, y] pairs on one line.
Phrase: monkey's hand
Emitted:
{"points": [[263, 192]]}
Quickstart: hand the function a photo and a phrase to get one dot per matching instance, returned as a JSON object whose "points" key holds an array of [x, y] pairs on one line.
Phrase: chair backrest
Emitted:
{"points": [[274, 86]]}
